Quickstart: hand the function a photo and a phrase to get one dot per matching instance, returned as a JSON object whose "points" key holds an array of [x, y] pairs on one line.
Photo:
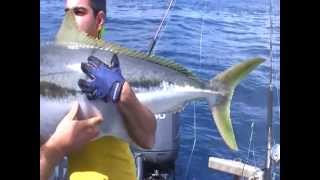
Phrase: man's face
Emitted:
{"points": [[84, 16]]}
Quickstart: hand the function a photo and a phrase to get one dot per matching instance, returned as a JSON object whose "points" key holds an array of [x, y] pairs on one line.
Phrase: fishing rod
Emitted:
{"points": [[155, 37], [268, 163]]}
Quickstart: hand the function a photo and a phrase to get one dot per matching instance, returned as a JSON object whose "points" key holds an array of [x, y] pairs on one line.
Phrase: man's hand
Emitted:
{"points": [[70, 135], [106, 82]]}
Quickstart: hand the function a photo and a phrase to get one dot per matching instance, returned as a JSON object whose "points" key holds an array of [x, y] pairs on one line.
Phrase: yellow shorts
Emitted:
{"points": [[107, 158]]}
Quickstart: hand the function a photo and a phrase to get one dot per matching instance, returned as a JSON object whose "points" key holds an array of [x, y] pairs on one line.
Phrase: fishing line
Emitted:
{"points": [[249, 148], [194, 104], [254, 156], [155, 37], [165, 25], [195, 139]]}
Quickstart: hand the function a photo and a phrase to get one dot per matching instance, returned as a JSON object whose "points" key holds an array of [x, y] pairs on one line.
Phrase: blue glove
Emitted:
{"points": [[105, 82]]}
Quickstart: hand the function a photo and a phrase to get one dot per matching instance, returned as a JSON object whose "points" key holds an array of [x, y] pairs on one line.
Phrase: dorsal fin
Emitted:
{"points": [[69, 32], [115, 48]]}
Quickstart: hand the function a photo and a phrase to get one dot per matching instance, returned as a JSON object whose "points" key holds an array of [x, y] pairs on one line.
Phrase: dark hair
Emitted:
{"points": [[98, 5]]}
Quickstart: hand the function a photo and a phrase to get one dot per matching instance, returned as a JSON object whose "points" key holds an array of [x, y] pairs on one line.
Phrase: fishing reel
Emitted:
{"points": [[275, 153]]}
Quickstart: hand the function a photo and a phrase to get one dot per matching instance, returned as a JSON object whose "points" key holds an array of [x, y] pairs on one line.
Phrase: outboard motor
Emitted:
{"points": [[159, 162]]}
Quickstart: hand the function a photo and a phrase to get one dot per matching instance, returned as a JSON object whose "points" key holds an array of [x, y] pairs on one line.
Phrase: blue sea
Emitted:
{"points": [[206, 37]]}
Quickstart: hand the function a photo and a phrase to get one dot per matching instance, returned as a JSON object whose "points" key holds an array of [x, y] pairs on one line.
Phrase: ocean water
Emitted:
{"points": [[206, 37]]}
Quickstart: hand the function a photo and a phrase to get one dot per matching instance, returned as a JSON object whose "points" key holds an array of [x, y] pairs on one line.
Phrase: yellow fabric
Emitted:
{"points": [[107, 158]]}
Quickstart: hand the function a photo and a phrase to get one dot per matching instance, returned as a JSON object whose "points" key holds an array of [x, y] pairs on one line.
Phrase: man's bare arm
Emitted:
{"points": [[140, 121]]}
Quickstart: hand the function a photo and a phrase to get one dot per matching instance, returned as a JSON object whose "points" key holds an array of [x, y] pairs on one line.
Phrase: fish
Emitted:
{"points": [[160, 84]]}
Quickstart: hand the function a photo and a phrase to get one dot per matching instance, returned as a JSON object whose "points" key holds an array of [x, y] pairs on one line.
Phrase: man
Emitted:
{"points": [[108, 157]]}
